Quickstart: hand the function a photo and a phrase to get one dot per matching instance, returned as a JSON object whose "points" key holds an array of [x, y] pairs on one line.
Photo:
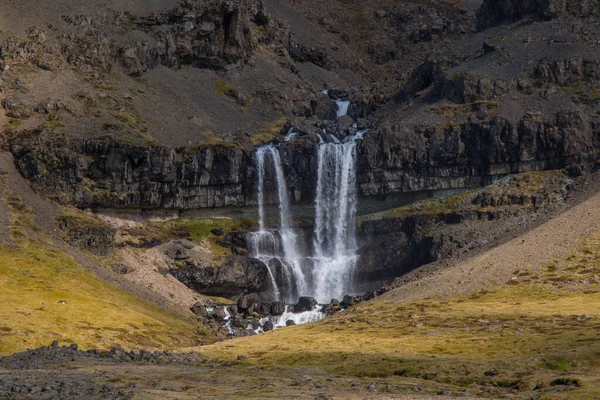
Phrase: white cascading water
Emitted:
{"points": [[277, 248], [342, 107], [280, 321], [334, 237], [327, 273]]}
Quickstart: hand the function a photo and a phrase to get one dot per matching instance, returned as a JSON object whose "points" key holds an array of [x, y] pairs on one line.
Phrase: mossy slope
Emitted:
{"points": [[46, 296], [537, 337]]}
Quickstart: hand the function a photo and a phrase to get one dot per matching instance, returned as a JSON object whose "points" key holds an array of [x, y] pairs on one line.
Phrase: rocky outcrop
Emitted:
{"points": [[397, 158], [237, 275], [496, 12], [87, 232], [409, 237], [412, 157], [205, 34], [232, 276], [106, 173]]}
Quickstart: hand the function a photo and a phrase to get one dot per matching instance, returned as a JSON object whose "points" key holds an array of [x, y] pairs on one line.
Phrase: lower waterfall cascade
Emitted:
{"points": [[325, 269]]}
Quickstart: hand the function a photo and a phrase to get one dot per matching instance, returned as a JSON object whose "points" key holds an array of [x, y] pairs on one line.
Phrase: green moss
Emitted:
{"points": [[199, 230], [270, 131], [430, 207], [52, 125]]}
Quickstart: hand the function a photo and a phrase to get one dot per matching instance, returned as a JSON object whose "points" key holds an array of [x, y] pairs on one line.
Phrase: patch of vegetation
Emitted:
{"points": [[198, 230], [68, 214], [520, 187], [451, 111], [224, 89], [431, 207], [213, 140], [46, 296], [269, 133], [52, 125]]}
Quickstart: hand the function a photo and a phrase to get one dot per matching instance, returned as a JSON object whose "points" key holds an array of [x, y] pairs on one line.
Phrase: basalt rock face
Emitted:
{"points": [[408, 157], [496, 12], [394, 159], [202, 33], [408, 238], [105, 173]]}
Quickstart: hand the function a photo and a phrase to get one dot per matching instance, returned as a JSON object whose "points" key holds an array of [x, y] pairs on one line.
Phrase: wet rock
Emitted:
{"points": [[347, 301], [218, 314], [277, 308], [239, 322], [290, 322], [305, 304], [267, 326]]}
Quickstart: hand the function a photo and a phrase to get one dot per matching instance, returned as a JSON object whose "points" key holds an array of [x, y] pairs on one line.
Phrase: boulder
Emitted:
{"points": [[305, 304], [290, 322], [277, 308], [199, 310], [347, 301], [237, 275], [218, 314], [267, 326]]}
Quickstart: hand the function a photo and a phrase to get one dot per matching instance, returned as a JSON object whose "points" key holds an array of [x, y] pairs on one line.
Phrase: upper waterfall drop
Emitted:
{"points": [[342, 107]]}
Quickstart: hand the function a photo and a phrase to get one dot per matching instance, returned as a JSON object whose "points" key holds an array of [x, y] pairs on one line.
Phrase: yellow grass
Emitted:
{"points": [[532, 334], [46, 296]]}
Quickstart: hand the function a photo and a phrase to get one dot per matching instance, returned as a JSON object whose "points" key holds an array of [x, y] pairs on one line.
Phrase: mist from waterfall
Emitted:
{"points": [[327, 271]]}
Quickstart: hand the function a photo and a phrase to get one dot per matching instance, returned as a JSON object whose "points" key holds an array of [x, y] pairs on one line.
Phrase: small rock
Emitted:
{"points": [[199, 309], [290, 322], [582, 317]]}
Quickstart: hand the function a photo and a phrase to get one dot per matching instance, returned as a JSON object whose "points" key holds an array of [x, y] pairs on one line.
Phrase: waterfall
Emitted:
{"points": [[277, 250], [334, 236], [342, 107]]}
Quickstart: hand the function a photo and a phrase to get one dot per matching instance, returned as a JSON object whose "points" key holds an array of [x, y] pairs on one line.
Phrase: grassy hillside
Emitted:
{"points": [[535, 336], [46, 296]]}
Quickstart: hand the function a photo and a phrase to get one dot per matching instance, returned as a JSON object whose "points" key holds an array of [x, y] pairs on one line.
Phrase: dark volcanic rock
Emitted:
{"points": [[267, 326], [158, 177], [209, 34], [496, 12], [407, 157], [237, 275], [305, 304], [87, 233], [277, 308]]}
